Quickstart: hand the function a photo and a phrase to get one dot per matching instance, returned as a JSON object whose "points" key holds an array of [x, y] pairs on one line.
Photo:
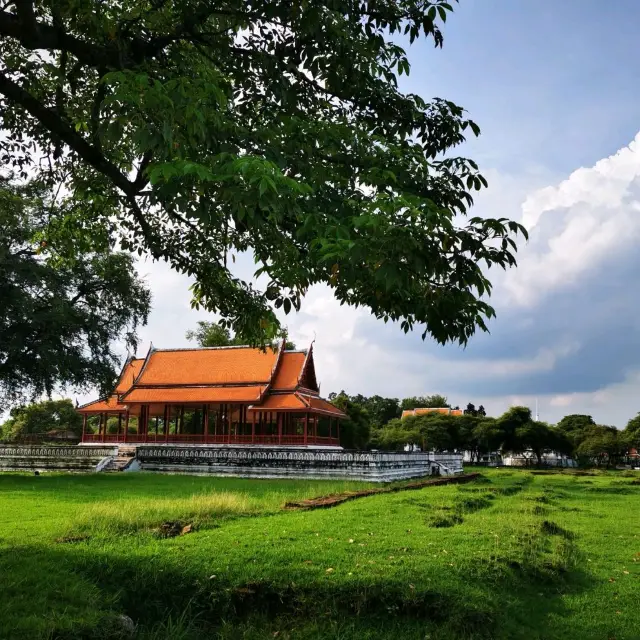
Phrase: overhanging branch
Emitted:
{"points": [[52, 121]]}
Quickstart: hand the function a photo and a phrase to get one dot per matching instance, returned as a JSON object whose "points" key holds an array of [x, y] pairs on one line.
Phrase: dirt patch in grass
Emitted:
{"points": [[71, 539], [552, 529], [324, 502]]}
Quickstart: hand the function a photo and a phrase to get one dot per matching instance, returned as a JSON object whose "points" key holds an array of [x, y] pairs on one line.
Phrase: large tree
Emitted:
{"points": [[40, 420], [64, 303], [193, 130], [215, 334]]}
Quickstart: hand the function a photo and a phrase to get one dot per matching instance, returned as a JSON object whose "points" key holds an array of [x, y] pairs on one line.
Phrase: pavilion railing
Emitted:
{"points": [[189, 438]]}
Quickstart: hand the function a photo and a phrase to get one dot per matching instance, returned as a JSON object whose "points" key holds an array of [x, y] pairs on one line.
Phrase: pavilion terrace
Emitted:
{"points": [[216, 396]]}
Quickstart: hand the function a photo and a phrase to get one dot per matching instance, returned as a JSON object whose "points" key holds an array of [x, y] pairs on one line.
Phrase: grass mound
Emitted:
{"points": [[510, 555]]}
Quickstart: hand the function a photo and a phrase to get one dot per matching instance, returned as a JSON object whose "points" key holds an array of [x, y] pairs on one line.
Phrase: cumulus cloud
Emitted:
{"points": [[578, 225]]}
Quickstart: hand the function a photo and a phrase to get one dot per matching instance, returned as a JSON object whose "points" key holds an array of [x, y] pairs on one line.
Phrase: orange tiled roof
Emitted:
{"points": [[218, 375], [280, 401], [178, 395], [104, 404], [227, 365], [318, 404], [289, 370], [297, 401], [128, 375]]}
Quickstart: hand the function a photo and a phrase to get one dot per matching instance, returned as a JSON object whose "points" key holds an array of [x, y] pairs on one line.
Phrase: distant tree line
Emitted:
{"points": [[374, 423]]}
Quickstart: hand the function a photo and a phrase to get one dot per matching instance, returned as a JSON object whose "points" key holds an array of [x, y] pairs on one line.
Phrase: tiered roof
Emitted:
{"points": [[272, 380]]}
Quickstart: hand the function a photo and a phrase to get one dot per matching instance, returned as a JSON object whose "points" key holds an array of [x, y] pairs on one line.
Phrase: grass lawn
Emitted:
{"points": [[514, 554]]}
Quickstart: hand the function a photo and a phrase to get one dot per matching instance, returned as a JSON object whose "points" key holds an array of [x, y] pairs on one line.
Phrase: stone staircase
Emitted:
{"points": [[126, 455]]}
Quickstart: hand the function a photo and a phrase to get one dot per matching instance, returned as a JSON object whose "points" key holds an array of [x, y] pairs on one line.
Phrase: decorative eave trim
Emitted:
{"points": [[102, 399], [305, 364], [233, 385], [144, 366]]}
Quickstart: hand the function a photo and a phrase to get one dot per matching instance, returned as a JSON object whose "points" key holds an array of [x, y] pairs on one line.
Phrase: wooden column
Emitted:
{"points": [[119, 424], [205, 422], [338, 430], [126, 425], [103, 424], [84, 426], [253, 427], [166, 422], [144, 420], [181, 419], [306, 426], [279, 418]]}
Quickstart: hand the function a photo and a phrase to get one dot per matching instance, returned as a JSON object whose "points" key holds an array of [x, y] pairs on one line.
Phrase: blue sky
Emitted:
{"points": [[553, 86]]}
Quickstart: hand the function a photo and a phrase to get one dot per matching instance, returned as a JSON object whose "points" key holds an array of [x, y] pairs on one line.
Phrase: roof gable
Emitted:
{"points": [[289, 371], [211, 366], [307, 379], [129, 373]]}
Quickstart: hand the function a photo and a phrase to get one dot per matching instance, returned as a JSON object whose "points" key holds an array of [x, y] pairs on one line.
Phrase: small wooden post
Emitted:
{"points": [[119, 424], [144, 419], [166, 422], [306, 427], [253, 427], [279, 420], [84, 425], [126, 425], [205, 423], [181, 419]]}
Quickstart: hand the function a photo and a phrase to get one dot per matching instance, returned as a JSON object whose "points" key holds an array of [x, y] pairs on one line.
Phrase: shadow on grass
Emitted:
{"points": [[70, 592]]}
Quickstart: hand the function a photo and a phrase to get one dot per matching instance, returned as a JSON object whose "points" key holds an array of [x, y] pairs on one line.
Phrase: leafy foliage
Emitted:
{"points": [[214, 334], [195, 130], [435, 401], [600, 445], [40, 419], [632, 432], [64, 302], [355, 430]]}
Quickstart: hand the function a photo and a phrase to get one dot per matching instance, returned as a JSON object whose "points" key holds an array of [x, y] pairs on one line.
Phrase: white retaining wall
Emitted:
{"points": [[45, 458], [291, 462]]}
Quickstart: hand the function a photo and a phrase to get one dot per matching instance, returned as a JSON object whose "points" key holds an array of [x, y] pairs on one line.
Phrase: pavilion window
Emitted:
{"points": [[323, 426], [192, 419], [133, 424], [298, 425], [214, 419], [93, 424], [235, 424], [149, 425], [173, 416]]}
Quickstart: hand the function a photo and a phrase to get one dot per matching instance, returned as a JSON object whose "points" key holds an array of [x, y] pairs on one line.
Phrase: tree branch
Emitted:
{"points": [[59, 128]]}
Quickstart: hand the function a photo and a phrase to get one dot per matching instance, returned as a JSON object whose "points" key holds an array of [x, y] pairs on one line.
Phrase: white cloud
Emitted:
{"points": [[578, 225]]}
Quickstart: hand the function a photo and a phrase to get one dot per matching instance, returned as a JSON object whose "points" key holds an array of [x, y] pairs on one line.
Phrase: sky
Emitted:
{"points": [[553, 86]]}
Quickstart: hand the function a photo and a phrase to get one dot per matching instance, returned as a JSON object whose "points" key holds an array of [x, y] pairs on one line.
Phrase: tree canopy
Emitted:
{"points": [[435, 401], [40, 420], [64, 302], [214, 334], [192, 131]]}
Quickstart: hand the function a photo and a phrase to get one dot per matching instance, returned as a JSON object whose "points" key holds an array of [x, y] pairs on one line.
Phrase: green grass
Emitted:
{"points": [[514, 554]]}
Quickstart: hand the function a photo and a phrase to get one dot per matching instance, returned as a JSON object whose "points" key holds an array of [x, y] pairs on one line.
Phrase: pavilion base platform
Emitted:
{"points": [[50, 458], [295, 462]]}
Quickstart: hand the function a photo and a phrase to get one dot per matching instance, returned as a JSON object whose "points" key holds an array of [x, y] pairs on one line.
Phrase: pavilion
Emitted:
{"points": [[217, 396]]}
